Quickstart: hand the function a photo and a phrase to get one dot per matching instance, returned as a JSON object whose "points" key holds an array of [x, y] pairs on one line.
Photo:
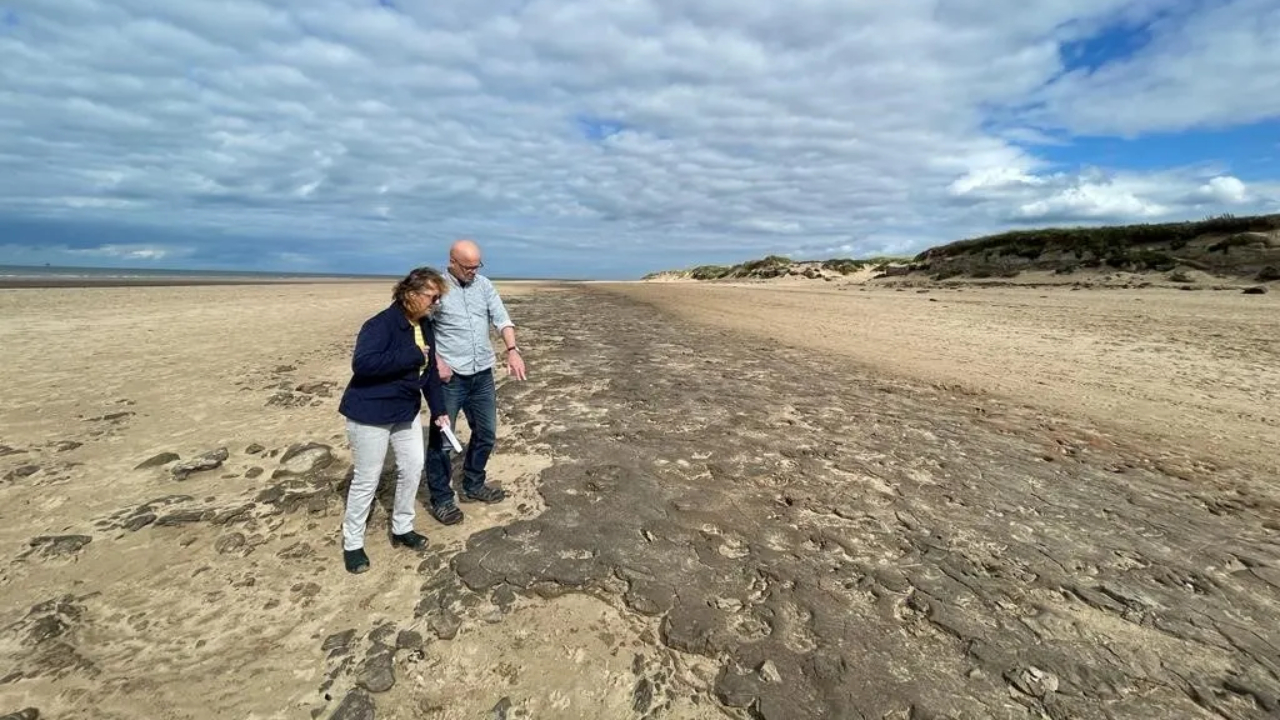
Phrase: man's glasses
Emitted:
{"points": [[470, 268]]}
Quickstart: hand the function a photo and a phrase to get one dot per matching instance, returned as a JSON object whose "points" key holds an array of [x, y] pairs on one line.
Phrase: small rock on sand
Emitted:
{"points": [[163, 458], [139, 521], [642, 696], [304, 459], [1033, 681], [357, 705], [111, 417], [409, 640], [338, 640], [323, 388], [208, 461], [57, 545], [445, 625], [22, 472], [377, 674], [229, 543]]}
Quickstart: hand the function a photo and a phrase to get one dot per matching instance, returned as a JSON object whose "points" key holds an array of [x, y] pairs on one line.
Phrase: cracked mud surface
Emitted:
{"points": [[844, 546]]}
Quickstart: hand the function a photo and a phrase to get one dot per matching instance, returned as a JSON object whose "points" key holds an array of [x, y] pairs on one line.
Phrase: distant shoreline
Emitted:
{"points": [[70, 283], [17, 277], [34, 283]]}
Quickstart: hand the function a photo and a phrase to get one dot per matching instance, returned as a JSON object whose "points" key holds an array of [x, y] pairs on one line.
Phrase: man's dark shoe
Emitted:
{"points": [[355, 560], [486, 494], [411, 540], [446, 513]]}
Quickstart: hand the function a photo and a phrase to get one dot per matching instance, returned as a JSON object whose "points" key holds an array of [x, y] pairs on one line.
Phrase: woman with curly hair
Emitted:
{"points": [[393, 367]]}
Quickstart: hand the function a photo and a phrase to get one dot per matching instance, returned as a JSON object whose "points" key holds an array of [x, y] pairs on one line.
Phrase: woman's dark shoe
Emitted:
{"points": [[411, 540], [355, 560]]}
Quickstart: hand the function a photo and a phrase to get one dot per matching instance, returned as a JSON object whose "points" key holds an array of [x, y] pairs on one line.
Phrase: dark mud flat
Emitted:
{"points": [[850, 547]]}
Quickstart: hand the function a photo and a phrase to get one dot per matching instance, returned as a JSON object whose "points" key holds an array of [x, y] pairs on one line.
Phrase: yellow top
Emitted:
{"points": [[422, 343]]}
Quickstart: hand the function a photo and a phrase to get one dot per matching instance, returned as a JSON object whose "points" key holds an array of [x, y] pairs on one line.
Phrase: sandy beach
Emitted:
{"points": [[1196, 372], [725, 501]]}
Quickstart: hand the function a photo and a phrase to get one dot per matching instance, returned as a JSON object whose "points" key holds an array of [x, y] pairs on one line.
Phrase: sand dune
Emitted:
{"points": [[726, 501]]}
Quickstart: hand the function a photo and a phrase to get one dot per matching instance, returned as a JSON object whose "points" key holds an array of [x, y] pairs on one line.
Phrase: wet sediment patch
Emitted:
{"points": [[845, 546]]}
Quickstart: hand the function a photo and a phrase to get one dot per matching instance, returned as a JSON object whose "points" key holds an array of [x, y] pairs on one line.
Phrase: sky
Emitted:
{"points": [[611, 138]]}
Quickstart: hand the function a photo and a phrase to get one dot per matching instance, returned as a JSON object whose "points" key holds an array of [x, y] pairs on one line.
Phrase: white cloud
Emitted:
{"points": [[1095, 196], [1225, 189], [992, 180], [131, 252], [1089, 201], [606, 136]]}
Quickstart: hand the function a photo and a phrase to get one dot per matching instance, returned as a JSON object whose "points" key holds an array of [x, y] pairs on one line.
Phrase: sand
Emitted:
{"points": [[1194, 370], [165, 621], [132, 592]]}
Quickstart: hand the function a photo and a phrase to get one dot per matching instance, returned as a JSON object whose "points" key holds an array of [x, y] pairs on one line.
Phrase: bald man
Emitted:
{"points": [[466, 360]]}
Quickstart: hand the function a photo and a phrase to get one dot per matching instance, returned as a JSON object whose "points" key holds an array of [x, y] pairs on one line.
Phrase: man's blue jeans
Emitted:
{"points": [[476, 396]]}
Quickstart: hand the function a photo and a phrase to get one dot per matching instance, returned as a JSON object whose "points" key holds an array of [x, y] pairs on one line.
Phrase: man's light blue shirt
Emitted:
{"points": [[462, 324]]}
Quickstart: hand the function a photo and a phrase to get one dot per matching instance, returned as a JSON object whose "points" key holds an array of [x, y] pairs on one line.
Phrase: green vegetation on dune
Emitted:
{"points": [[847, 266], [1102, 241], [773, 266], [1241, 247]]}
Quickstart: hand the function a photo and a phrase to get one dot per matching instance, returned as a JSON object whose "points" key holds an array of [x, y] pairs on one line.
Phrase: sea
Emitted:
{"points": [[12, 276]]}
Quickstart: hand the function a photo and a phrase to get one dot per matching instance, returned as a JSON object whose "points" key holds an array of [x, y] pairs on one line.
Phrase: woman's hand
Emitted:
{"points": [[442, 421]]}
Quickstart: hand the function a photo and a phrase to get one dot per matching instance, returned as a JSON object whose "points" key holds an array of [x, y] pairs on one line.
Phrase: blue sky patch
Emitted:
{"points": [[1249, 152], [9, 18], [597, 129], [1114, 43]]}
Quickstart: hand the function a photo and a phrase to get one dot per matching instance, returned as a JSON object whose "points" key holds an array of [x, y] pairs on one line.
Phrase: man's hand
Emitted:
{"points": [[443, 368], [515, 364]]}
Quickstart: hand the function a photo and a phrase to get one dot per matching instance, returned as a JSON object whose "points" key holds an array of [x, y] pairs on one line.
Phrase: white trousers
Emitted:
{"points": [[369, 448]]}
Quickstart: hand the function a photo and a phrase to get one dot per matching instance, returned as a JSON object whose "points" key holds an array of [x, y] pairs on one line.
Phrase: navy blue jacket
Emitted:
{"points": [[386, 383]]}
